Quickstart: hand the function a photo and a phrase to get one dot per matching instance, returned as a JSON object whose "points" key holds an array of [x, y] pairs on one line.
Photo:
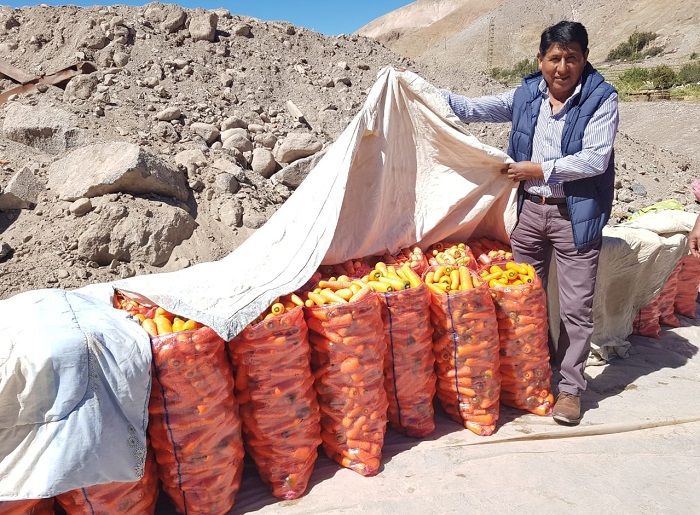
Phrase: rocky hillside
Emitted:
{"points": [[456, 33], [168, 135]]}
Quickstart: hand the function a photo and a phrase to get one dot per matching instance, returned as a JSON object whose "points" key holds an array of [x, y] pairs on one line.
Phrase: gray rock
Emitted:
{"points": [[203, 26], [266, 140], [81, 87], [230, 132], [253, 220], [226, 182], [169, 114], [293, 175], [263, 162], [224, 165], [21, 192], [231, 213], [120, 59], [206, 131], [148, 239], [625, 195], [638, 189], [94, 41], [99, 169], [169, 17], [5, 250], [7, 47], [166, 132], [297, 145], [233, 122], [81, 207], [191, 159], [242, 29], [239, 142], [174, 21], [62, 274], [46, 128]]}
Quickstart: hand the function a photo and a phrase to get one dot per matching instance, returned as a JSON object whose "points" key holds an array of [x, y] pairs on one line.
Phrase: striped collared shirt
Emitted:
{"points": [[598, 137]]}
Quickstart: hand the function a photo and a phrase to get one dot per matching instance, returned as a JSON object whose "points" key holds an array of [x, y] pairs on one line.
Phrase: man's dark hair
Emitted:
{"points": [[564, 33]]}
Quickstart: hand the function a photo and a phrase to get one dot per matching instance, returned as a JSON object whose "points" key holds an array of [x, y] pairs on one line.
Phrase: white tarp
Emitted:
{"points": [[74, 387], [404, 172]]}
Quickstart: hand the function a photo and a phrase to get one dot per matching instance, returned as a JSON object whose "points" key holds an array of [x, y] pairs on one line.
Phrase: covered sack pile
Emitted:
{"points": [[404, 191]]}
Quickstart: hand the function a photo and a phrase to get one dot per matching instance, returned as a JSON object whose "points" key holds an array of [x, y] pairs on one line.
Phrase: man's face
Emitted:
{"points": [[562, 67]]}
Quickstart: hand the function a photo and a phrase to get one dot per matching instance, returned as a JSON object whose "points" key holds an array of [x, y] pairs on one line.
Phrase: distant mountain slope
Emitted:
{"points": [[455, 33]]}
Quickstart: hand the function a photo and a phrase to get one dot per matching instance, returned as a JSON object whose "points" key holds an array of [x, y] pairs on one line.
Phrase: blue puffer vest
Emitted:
{"points": [[589, 200]]}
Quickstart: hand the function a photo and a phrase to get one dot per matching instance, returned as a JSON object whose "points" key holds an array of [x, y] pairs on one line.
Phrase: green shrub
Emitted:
{"points": [[693, 56], [689, 73], [662, 76], [631, 49], [635, 75], [520, 69], [653, 51]]}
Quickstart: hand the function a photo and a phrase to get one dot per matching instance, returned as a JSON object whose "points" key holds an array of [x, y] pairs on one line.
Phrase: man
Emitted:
{"points": [[564, 121], [694, 239]]}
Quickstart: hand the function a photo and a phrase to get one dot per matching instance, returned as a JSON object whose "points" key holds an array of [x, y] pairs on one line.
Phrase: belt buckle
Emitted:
{"points": [[543, 199]]}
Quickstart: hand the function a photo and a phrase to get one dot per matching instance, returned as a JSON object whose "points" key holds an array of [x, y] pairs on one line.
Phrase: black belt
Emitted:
{"points": [[539, 199]]}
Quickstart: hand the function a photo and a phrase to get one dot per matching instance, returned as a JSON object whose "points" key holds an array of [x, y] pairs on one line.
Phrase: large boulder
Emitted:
{"points": [[206, 131], [21, 192], [292, 175], [81, 87], [104, 168], [168, 17], [146, 232], [263, 162], [203, 26], [239, 142], [297, 145], [46, 128]]}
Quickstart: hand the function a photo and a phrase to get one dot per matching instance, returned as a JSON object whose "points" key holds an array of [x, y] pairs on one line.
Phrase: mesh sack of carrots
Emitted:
{"points": [[646, 323], [687, 286], [667, 298], [465, 345], [452, 254], [521, 309], [347, 359], [194, 425], [278, 407], [412, 255], [488, 251], [409, 376], [116, 498], [28, 507], [350, 268]]}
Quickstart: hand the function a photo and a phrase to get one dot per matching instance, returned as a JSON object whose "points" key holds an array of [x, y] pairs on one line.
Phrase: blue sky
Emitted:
{"points": [[329, 17]]}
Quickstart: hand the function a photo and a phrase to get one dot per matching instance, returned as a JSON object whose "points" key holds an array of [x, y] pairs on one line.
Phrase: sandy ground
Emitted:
{"points": [[673, 126]]}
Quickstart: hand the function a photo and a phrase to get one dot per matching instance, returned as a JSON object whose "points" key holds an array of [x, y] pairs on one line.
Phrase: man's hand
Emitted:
{"points": [[694, 239], [523, 171]]}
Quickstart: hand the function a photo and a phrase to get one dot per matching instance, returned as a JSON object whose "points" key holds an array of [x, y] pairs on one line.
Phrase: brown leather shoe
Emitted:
{"points": [[567, 409]]}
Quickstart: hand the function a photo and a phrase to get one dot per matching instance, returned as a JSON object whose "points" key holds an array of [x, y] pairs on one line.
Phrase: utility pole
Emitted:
{"points": [[489, 49]]}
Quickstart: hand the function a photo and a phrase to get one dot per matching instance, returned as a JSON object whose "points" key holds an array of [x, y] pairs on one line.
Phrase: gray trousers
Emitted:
{"points": [[541, 230]]}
